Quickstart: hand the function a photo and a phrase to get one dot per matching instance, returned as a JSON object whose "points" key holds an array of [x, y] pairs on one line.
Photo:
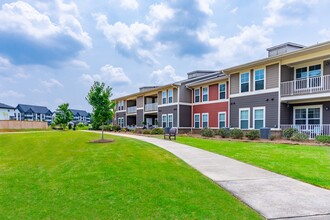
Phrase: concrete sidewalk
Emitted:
{"points": [[272, 195]]}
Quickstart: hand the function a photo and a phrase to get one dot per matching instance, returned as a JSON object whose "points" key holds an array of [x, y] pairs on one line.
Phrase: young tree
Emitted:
{"points": [[99, 98], [63, 115]]}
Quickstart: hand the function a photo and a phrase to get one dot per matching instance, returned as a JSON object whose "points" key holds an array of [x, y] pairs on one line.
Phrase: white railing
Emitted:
{"points": [[131, 127], [150, 107], [131, 110], [311, 130], [306, 86]]}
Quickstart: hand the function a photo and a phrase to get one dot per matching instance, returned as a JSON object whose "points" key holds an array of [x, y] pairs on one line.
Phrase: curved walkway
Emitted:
{"points": [[272, 195]]}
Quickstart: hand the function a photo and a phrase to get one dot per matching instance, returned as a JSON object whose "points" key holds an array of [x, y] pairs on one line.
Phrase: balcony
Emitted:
{"points": [[310, 130], [306, 86], [151, 107], [131, 110]]}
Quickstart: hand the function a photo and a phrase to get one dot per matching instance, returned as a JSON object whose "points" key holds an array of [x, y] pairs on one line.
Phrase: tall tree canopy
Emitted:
{"points": [[103, 109], [63, 115]]}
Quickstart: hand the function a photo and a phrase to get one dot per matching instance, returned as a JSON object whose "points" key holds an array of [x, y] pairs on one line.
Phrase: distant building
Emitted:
{"points": [[33, 113], [81, 116], [7, 112]]}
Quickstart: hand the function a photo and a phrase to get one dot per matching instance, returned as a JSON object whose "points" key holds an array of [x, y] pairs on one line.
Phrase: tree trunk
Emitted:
{"points": [[102, 131]]}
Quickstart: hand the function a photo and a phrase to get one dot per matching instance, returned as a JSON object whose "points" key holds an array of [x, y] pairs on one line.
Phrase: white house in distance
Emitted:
{"points": [[7, 112]]}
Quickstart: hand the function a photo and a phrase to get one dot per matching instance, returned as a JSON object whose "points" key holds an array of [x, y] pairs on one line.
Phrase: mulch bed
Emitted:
{"points": [[100, 141]]}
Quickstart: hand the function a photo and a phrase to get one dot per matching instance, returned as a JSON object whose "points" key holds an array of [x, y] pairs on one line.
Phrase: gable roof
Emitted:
{"points": [[76, 112], [33, 109], [6, 106]]}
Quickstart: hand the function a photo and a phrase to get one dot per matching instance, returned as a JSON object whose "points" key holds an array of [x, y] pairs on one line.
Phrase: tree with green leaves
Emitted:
{"points": [[63, 115], [103, 109]]}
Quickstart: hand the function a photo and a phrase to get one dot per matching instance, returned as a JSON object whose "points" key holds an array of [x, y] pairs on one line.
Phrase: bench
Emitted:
{"points": [[170, 132]]}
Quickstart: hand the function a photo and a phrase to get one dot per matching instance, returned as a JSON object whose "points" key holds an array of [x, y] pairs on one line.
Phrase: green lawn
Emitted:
{"points": [[307, 163], [59, 175]]}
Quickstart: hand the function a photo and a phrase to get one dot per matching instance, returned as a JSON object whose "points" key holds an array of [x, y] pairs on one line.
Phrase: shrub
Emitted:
{"points": [[206, 132], [299, 137], [272, 137], [53, 125], [116, 128], [224, 133], [323, 139], [80, 125], [124, 129], [157, 131], [107, 127], [70, 126], [253, 135], [145, 131], [236, 133], [288, 133]]}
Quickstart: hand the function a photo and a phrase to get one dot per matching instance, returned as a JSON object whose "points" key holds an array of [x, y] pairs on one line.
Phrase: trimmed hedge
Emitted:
{"points": [[299, 137], [146, 131], [289, 132], [253, 135], [157, 131], [206, 132], [236, 133], [323, 139], [224, 133]]}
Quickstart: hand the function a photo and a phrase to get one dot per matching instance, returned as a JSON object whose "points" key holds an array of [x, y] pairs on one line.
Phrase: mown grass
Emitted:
{"points": [[307, 163], [60, 175]]}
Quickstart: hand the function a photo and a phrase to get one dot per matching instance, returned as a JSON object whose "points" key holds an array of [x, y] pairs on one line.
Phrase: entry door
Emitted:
{"points": [[149, 121]]}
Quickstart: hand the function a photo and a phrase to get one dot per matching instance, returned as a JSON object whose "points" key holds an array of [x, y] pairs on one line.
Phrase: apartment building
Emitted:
{"points": [[163, 106], [33, 113], [81, 116], [289, 88], [7, 112]]}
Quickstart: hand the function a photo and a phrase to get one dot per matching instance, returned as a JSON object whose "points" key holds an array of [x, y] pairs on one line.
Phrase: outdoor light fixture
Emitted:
{"points": [[327, 108]]}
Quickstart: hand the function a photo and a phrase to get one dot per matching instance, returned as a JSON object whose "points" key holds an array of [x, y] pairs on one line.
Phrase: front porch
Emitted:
{"points": [[310, 130]]}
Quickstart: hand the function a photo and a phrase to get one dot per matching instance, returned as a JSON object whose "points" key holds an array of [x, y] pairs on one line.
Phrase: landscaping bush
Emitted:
{"points": [[70, 126], [272, 137], [288, 133], [53, 125], [116, 128], [107, 127], [145, 131], [253, 135], [299, 137], [157, 131], [323, 139], [80, 125], [124, 129], [224, 133], [236, 133], [206, 132]]}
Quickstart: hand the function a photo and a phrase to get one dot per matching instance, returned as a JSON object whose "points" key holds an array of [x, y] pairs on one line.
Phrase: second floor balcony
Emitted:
{"points": [[131, 110], [305, 86], [150, 107]]}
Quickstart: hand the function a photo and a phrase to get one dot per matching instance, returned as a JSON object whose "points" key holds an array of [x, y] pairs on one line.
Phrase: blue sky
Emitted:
{"points": [[52, 51]]}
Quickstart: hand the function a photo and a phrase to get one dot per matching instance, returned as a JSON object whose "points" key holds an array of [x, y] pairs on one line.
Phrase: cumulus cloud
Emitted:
{"points": [[160, 12], [108, 74], [32, 37], [51, 83], [165, 75], [129, 4], [11, 94]]}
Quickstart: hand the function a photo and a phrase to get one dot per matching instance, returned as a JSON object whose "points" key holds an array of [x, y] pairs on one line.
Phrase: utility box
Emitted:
{"points": [[264, 133]]}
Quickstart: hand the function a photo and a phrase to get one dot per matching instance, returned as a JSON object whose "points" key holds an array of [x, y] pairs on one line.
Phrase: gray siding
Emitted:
{"points": [[119, 115], [167, 110], [326, 67], [139, 102], [185, 116], [175, 95], [287, 73], [185, 94], [256, 101], [234, 83], [272, 76], [286, 114], [251, 80], [160, 98], [139, 118]]}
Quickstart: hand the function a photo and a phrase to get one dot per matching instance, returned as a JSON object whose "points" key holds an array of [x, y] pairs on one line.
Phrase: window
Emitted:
{"points": [[121, 122], [245, 81], [205, 120], [308, 77], [259, 117], [170, 120], [197, 94], [307, 115], [196, 120], [259, 79], [164, 97], [164, 121], [222, 91], [170, 96], [244, 118], [222, 119], [205, 94]]}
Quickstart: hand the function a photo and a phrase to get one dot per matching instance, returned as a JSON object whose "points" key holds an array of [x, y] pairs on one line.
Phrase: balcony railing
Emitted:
{"points": [[310, 130], [306, 86], [150, 107], [131, 110]]}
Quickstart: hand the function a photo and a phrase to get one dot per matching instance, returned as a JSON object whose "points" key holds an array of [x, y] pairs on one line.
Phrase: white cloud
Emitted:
{"points": [[51, 83], [234, 10], [11, 94], [108, 74], [22, 75], [165, 75], [129, 4], [80, 64], [160, 12], [204, 6]]}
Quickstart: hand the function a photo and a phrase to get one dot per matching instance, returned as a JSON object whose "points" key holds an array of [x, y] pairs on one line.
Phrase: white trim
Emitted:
{"points": [[309, 96], [223, 83], [225, 118], [166, 105], [308, 107], [207, 120], [279, 96], [307, 65], [120, 111], [150, 112], [185, 103], [212, 102], [140, 108], [229, 106], [254, 79], [255, 92], [239, 117], [166, 120], [178, 108], [199, 122], [208, 91], [240, 76], [264, 118]]}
